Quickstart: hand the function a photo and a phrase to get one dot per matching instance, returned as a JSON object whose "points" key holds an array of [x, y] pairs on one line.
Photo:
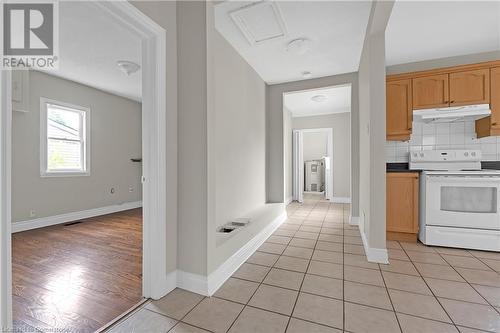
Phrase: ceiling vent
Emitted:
{"points": [[260, 22]]}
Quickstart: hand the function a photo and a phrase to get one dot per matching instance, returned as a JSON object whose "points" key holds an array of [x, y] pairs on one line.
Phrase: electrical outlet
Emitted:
{"points": [[131, 189], [32, 213]]}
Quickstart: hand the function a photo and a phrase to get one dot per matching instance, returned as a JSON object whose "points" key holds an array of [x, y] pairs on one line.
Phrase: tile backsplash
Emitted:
{"points": [[456, 135]]}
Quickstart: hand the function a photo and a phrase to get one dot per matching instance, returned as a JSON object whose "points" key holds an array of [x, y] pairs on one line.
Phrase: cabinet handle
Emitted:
{"points": [[494, 124], [452, 101]]}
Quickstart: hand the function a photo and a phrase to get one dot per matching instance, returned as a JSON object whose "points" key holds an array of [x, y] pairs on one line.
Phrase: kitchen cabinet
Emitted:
{"points": [[491, 125], [402, 206], [431, 92], [399, 111], [470, 87]]}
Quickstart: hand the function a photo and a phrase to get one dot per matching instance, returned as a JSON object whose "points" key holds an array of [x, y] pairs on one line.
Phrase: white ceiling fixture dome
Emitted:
{"points": [[301, 103], [299, 46], [128, 67], [319, 98]]}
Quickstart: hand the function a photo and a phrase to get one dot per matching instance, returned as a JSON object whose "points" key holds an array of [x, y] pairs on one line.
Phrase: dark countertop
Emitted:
{"points": [[399, 167], [404, 167]]}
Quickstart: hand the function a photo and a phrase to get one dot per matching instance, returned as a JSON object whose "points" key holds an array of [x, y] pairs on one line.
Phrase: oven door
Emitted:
{"points": [[462, 201]]}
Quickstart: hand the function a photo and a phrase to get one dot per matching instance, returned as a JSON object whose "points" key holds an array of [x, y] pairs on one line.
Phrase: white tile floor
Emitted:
{"points": [[312, 275]]}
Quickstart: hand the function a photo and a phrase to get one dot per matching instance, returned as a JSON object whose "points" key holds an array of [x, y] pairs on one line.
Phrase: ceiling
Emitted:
{"points": [[261, 30], [300, 103], [90, 44], [424, 30]]}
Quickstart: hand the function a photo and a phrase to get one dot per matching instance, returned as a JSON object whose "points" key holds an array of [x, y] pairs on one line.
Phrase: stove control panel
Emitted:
{"points": [[445, 155], [445, 160]]}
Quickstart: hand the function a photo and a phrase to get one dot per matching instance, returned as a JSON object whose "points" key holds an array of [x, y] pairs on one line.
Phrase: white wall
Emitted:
{"points": [[192, 129], [115, 138], [443, 62], [372, 130], [341, 167], [315, 145], [236, 136], [240, 132]]}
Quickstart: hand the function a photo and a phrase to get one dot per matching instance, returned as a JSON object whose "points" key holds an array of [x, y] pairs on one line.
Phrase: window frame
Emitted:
{"points": [[85, 147]]}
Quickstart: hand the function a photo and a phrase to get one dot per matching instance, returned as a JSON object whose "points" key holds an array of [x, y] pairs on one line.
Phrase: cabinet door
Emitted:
{"points": [[495, 97], [399, 114], [430, 92], [470, 87], [402, 202]]}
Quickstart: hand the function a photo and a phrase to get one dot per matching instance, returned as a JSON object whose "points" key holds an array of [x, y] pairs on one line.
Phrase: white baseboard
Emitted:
{"points": [[354, 220], [74, 216], [341, 200], [288, 200], [380, 256], [192, 282], [207, 286]]}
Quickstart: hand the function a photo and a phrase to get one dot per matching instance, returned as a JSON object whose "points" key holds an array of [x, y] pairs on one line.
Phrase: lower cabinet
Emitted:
{"points": [[402, 206]]}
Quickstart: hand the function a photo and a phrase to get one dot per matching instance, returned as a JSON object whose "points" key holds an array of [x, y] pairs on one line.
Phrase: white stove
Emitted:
{"points": [[459, 202]]}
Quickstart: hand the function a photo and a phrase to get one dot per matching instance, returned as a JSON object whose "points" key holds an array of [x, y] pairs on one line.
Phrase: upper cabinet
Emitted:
{"points": [[431, 92], [440, 88], [399, 110], [491, 125], [470, 87]]}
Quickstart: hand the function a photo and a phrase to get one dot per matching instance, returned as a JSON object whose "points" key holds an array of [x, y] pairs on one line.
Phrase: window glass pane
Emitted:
{"points": [[469, 199], [63, 154], [63, 123]]}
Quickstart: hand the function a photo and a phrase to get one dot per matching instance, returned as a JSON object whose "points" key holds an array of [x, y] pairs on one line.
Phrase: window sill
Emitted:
{"points": [[64, 174]]}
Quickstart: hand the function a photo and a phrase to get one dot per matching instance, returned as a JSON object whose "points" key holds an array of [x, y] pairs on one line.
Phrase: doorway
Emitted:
{"points": [[155, 283], [317, 143], [312, 163]]}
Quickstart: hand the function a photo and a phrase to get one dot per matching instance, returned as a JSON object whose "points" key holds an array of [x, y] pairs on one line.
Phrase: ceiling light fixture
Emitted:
{"points": [[299, 46], [306, 74], [128, 67], [319, 98]]}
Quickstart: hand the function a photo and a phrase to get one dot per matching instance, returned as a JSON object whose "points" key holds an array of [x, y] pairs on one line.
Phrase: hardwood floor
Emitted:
{"points": [[77, 277]]}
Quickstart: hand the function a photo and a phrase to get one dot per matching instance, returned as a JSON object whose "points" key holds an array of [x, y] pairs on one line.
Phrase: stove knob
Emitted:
{"points": [[415, 154], [473, 153], [466, 154], [421, 154]]}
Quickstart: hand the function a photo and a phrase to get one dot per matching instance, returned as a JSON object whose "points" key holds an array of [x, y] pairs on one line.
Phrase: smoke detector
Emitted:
{"points": [[128, 67]]}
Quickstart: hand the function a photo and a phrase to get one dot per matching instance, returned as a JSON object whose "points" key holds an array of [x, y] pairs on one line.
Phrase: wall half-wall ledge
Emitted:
{"points": [[73, 216], [208, 285]]}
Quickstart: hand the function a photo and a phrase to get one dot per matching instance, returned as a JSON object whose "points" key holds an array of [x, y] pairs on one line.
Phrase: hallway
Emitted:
{"points": [[312, 276]]}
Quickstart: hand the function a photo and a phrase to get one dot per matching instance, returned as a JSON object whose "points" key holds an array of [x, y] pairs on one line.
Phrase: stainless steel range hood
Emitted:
{"points": [[451, 114]]}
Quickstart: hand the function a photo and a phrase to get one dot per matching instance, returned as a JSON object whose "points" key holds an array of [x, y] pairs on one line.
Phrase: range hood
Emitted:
{"points": [[451, 114]]}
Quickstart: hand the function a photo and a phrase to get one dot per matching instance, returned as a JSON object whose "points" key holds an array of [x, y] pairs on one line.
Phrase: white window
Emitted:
{"points": [[64, 139]]}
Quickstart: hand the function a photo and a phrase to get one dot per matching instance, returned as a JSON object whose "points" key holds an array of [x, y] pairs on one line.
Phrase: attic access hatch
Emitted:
{"points": [[260, 22]]}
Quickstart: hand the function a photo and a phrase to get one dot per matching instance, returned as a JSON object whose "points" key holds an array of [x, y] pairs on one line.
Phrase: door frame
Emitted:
{"points": [[298, 162], [155, 283]]}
